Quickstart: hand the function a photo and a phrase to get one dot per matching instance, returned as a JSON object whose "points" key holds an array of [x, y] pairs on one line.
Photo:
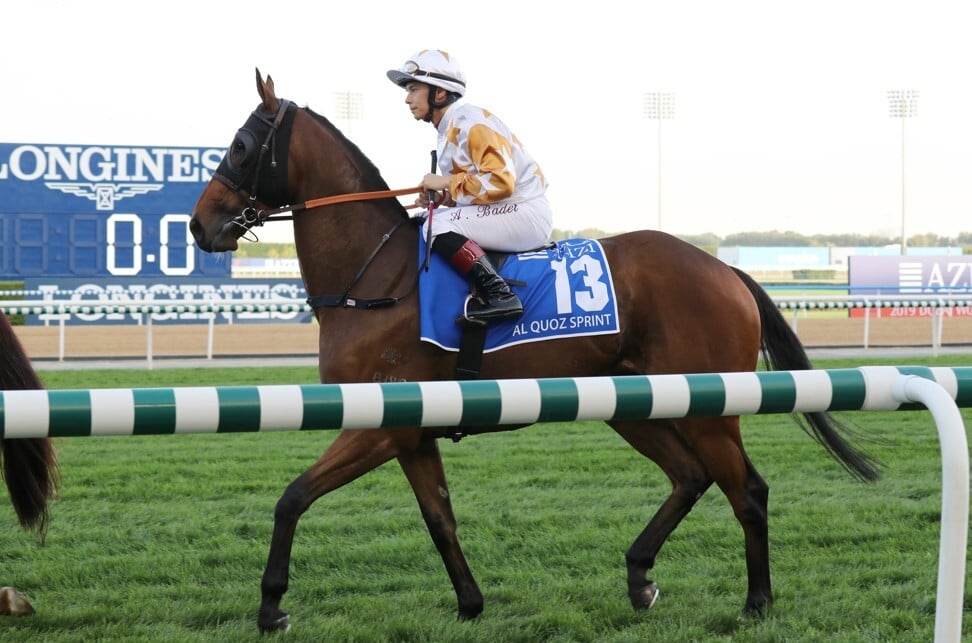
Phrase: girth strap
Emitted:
{"points": [[337, 301], [470, 358], [468, 363]]}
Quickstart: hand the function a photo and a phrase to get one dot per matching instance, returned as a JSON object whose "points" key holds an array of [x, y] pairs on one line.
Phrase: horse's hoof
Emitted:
{"points": [[280, 623], [756, 610], [13, 603], [644, 597], [470, 612]]}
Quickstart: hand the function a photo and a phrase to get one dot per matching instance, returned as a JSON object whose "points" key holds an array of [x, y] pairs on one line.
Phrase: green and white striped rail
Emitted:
{"points": [[493, 402], [219, 409]]}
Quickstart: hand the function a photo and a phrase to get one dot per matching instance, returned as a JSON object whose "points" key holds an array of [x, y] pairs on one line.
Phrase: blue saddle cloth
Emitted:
{"points": [[568, 293]]}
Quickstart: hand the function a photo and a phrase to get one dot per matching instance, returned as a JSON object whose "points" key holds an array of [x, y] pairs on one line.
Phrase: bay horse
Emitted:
{"points": [[681, 311], [29, 465]]}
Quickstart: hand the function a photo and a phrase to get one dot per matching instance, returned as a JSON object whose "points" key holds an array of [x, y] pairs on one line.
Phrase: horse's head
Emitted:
{"points": [[251, 176]]}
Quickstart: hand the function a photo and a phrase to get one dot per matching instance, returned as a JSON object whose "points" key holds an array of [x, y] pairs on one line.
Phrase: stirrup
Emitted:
{"points": [[464, 319], [491, 314]]}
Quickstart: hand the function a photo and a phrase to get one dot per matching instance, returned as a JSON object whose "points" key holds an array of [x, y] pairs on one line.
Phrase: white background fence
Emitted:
{"points": [[937, 308]]}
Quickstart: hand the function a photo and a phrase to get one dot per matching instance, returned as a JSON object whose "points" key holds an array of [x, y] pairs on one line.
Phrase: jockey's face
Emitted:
{"points": [[417, 99]]}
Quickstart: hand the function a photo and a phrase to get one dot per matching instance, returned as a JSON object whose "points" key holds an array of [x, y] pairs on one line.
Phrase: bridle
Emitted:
{"points": [[233, 177]]}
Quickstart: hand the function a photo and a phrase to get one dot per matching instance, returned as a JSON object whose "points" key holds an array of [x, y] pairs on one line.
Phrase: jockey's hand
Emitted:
{"points": [[434, 182], [422, 200]]}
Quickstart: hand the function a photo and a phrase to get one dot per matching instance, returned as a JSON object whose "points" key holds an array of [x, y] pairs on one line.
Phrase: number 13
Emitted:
{"points": [[594, 300]]}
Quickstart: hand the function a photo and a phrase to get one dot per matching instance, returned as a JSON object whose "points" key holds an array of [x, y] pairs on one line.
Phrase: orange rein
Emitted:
{"points": [[265, 215]]}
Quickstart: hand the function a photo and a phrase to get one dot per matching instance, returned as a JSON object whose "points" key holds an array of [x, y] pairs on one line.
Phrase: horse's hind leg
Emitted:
{"points": [[718, 445], [660, 442], [693, 455], [352, 454], [424, 470]]}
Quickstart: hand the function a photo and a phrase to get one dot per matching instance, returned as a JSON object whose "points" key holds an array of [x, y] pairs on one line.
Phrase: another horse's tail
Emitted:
{"points": [[29, 465], [783, 351], [30, 471]]}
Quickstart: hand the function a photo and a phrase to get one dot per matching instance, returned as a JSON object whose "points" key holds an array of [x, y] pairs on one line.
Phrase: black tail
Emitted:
{"points": [[30, 471], [783, 351], [29, 465]]}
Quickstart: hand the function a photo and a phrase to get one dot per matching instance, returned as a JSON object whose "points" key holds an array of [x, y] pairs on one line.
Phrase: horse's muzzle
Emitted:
{"points": [[224, 240]]}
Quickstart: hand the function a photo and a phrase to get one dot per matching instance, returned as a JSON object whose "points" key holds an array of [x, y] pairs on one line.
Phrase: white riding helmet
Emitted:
{"points": [[432, 67]]}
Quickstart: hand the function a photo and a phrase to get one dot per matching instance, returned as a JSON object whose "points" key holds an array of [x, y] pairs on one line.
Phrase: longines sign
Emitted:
{"points": [[92, 211], [199, 291], [100, 174]]}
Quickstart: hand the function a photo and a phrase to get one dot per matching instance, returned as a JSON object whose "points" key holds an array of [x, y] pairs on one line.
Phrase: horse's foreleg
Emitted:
{"points": [[352, 454], [423, 468], [661, 443]]}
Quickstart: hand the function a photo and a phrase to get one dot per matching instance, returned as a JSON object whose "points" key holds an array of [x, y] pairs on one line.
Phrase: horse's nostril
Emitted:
{"points": [[195, 228], [199, 234]]}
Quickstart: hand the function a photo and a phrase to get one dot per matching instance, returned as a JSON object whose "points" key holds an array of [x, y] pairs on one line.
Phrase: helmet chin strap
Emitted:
{"points": [[450, 99]]}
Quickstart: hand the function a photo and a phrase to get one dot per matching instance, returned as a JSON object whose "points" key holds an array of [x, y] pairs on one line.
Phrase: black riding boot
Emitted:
{"points": [[494, 300]]}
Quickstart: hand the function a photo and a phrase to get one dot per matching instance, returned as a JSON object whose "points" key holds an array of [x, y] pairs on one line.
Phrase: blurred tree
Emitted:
{"points": [[771, 238], [704, 240]]}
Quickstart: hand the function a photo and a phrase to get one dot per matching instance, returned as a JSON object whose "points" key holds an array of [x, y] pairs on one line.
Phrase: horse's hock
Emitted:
{"points": [[233, 340]]}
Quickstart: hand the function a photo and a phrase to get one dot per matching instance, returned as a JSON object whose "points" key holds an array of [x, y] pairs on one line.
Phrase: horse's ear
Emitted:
{"points": [[265, 89]]}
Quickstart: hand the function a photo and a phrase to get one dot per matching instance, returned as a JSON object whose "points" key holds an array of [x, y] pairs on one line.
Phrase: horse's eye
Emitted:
{"points": [[237, 156]]}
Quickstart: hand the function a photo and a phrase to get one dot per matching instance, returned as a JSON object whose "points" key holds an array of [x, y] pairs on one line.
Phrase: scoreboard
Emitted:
{"points": [[103, 211]]}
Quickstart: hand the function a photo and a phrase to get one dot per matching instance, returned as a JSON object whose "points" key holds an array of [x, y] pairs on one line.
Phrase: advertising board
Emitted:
{"points": [[911, 275], [92, 211], [194, 293]]}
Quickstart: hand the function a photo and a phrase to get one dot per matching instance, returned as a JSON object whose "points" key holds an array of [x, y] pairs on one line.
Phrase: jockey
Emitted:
{"points": [[491, 190]]}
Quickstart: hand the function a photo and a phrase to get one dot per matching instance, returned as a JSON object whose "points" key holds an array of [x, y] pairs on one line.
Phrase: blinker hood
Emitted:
{"points": [[263, 170]]}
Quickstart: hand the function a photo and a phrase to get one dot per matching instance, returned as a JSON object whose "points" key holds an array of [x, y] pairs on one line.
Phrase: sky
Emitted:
{"points": [[781, 113]]}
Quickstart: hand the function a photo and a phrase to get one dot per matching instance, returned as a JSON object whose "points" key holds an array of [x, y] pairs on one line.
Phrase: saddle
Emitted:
{"points": [[566, 289]]}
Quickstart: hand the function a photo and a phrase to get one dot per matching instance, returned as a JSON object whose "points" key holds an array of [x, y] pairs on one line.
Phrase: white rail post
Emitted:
{"points": [[211, 330], [148, 341], [938, 318], [953, 538], [867, 322], [60, 338]]}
